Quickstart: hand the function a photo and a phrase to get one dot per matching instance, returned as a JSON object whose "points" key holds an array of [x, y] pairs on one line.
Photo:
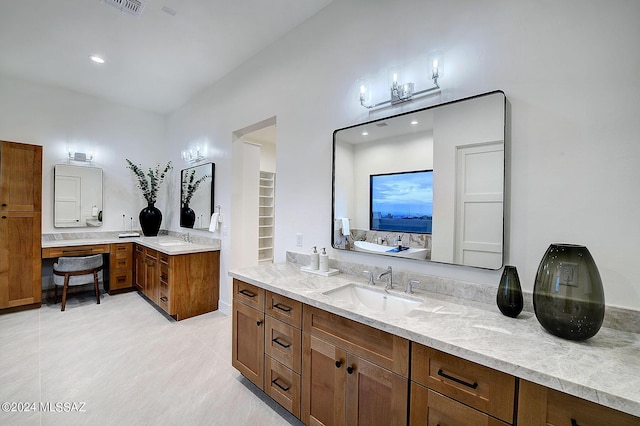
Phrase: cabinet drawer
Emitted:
{"points": [[51, 252], [164, 258], [381, 348], [164, 273], [283, 343], [483, 388], [165, 303], [121, 264], [151, 254], [283, 385], [121, 250], [120, 279], [539, 405], [248, 294], [432, 408], [284, 309]]}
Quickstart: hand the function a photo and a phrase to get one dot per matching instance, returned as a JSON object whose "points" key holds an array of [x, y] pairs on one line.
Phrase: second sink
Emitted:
{"points": [[375, 299]]}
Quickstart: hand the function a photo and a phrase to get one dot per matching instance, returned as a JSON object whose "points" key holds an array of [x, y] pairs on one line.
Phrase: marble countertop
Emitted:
{"points": [[604, 369], [164, 244]]}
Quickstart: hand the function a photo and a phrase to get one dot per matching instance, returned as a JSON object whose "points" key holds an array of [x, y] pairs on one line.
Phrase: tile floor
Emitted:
{"points": [[125, 363]]}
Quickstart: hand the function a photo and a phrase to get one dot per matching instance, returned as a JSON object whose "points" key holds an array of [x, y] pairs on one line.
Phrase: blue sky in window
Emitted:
{"points": [[403, 194]]}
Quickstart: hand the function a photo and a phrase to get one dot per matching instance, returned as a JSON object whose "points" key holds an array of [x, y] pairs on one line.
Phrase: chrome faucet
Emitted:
{"points": [[370, 276], [389, 285]]}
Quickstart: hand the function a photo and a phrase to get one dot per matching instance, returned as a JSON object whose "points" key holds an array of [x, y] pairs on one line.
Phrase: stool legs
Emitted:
{"points": [[64, 291], [95, 282]]}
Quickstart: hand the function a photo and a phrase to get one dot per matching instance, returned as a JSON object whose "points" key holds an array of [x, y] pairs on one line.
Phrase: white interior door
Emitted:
{"points": [[479, 205], [67, 201]]}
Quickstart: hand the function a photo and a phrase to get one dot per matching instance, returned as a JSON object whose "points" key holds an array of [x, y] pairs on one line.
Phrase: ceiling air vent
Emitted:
{"points": [[133, 7]]}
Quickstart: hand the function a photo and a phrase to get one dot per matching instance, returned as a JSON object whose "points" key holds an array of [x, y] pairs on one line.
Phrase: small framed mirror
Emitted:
{"points": [[196, 196], [77, 196]]}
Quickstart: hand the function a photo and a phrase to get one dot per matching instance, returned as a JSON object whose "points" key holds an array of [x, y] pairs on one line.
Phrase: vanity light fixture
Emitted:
{"points": [[193, 157], [80, 156], [403, 92]]}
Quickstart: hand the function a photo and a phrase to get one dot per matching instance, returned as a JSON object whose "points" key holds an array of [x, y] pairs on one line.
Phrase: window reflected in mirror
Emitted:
{"points": [[196, 196], [77, 192]]}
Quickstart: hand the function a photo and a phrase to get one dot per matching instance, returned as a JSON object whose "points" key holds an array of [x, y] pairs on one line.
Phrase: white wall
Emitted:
{"points": [[56, 118], [569, 70]]}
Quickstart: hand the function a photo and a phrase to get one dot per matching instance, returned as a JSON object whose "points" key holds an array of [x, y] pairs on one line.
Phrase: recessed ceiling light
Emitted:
{"points": [[365, 133], [97, 59], [414, 122]]}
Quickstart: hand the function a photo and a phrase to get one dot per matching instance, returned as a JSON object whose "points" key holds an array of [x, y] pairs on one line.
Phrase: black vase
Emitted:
{"points": [[187, 216], [568, 297], [150, 220], [509, 297]]}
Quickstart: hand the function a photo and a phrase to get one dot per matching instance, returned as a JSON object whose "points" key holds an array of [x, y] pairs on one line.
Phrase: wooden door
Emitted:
{"points": [[323, 382], [20, 177], [375, 395], [248, 342], [20, 261]]}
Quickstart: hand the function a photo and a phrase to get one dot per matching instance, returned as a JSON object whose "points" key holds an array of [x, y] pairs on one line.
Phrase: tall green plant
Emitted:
{"points": [[150, 182]]}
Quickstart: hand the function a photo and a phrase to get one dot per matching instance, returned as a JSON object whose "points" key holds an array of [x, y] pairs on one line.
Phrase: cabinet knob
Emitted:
{"points": [[338, 364], [349, 370], [4, 217], [258, 323]]}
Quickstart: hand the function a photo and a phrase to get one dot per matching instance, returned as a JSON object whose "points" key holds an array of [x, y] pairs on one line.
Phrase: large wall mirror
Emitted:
{"points": [[196, 196], [77, 196], [425, 185]]}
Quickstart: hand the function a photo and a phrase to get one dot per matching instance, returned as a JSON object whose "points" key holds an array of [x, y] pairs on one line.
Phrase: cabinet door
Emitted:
{"points": [[323, 382], [375, 395], [151, 280], [20, 177], [20, 261], [140, 270], [248, 342]]}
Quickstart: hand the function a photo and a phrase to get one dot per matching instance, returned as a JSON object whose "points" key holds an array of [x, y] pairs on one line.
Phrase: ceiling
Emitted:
{"points": [[155, 61]]}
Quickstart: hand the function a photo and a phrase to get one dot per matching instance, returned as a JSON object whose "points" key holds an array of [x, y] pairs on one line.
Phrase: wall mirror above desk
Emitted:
{"points": [[427, 184], [77, 196], [196, 196]]}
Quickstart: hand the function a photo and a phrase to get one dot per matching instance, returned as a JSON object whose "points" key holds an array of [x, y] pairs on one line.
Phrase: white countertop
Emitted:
{"points": [[604, 369], [164, 244]]}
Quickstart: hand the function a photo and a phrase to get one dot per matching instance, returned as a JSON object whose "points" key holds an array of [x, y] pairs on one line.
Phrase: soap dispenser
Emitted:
{"points": [[314, 259], [324, 261]]}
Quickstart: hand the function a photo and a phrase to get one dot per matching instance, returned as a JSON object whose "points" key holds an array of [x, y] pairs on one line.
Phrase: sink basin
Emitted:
{"points": [[372, 298], [172, 243]]}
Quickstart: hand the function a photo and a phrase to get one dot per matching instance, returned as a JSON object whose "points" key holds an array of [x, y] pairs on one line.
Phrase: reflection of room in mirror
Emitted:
{"points": [[77, 196], [463, 143], [196, 196]]}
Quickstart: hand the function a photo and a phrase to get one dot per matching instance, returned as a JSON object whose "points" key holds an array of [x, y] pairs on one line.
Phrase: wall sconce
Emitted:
{"points": [[193, 157], [403, 92], [80, 156]]}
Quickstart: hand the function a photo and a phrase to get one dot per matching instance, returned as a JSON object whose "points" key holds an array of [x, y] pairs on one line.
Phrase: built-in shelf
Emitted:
{"points": [[266, 218]]}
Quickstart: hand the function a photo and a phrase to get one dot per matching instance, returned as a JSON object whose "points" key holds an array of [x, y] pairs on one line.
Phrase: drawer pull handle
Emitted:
{"points": [[258, 323], [164, 299], [574, 422], [338, 364], [455, 379], [275, 382], [282, 307], [280, 343], [349, 370], [247, 293]]}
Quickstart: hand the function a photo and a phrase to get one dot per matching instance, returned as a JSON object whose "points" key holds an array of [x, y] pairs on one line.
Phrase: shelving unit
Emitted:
{"points": [[266, 216]]}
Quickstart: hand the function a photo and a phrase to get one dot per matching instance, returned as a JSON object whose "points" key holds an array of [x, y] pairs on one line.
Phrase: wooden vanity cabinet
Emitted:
{"points": [[541, 406], [447, 389], [183, 285], [20, 226], [352, 373], [120, 267], [248, 331]]}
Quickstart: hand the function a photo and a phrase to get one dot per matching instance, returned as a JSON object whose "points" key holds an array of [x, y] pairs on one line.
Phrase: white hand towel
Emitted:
{"points": [[345, 226], [213, 226]]}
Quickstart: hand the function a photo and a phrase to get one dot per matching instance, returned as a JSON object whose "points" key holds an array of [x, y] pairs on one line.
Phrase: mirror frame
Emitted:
{"points": [[99, 219], [505, 185], [211, 195]]}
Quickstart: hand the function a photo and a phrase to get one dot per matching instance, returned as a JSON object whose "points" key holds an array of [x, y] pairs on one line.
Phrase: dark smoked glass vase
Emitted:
{"points": [[568, 298], [509, 297]]}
